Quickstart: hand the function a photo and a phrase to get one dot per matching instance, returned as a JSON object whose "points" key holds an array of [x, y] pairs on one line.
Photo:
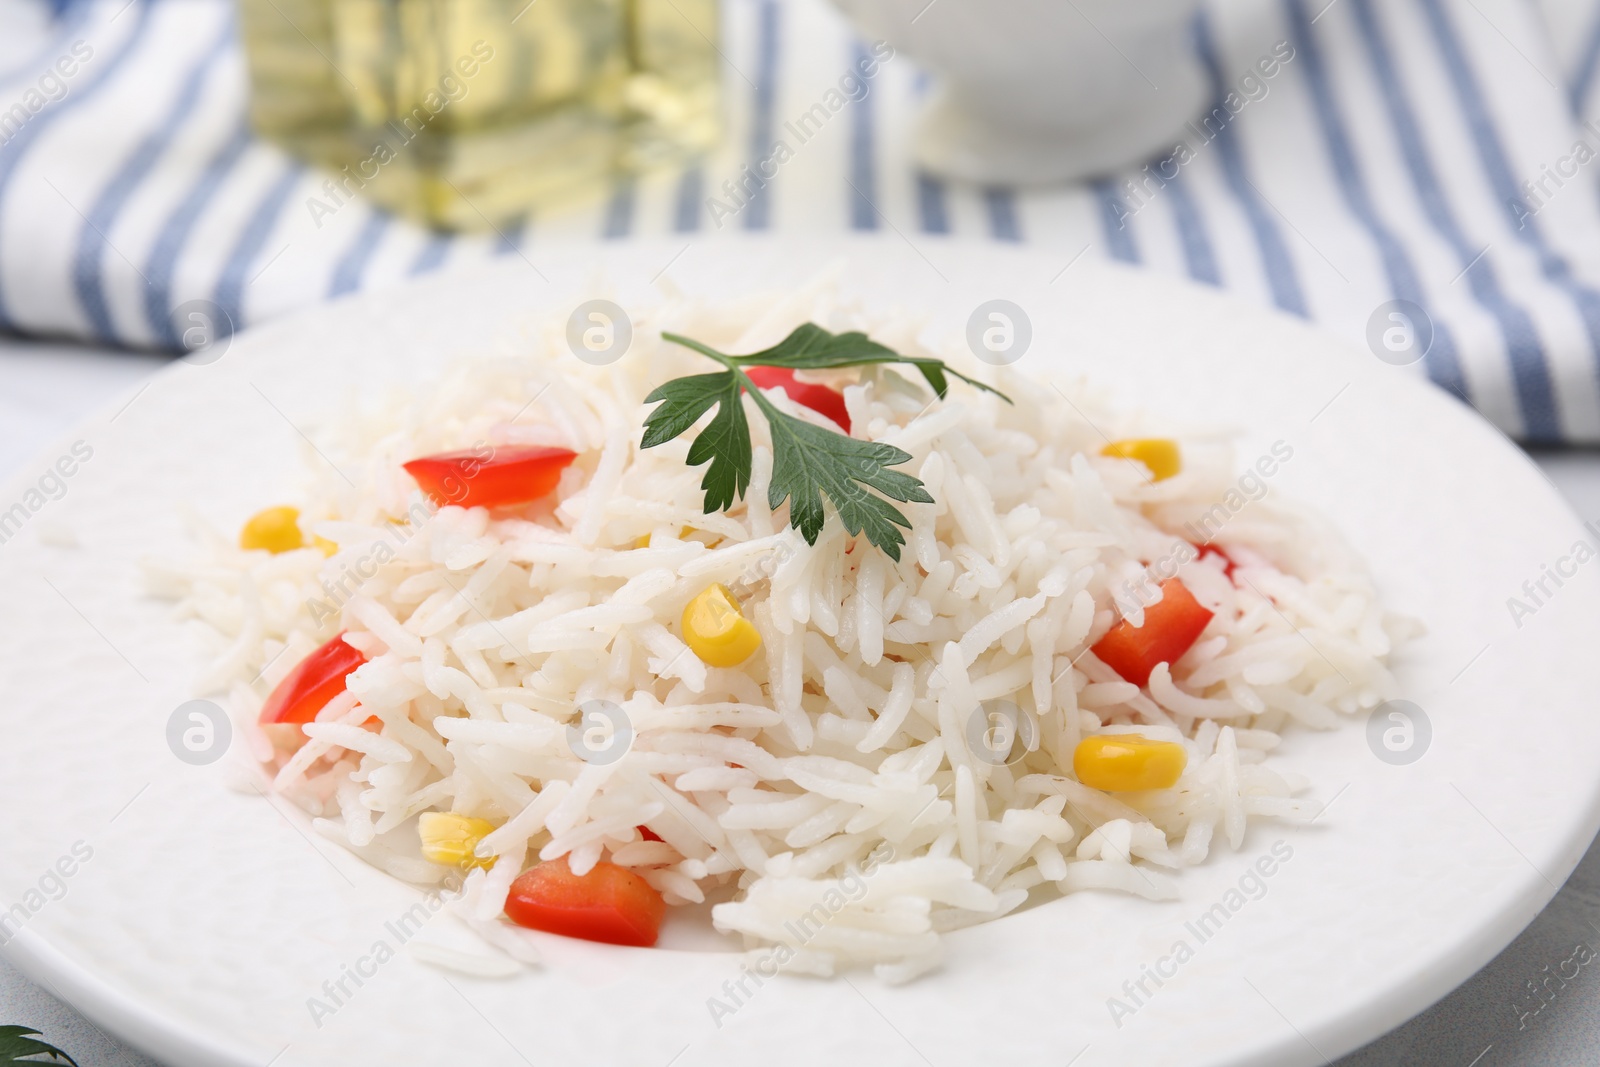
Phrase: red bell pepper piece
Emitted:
{"points": [[1227, 561], [1170, 628], [491, 478], [609, 904], [307, 689], [829, 403]]}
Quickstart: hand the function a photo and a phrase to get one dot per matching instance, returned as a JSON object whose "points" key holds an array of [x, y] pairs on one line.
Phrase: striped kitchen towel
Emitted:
{"points": [[1393, 161]]}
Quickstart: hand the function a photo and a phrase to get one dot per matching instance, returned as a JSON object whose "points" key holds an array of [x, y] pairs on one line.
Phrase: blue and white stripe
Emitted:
{"points": [[1411, 150]]}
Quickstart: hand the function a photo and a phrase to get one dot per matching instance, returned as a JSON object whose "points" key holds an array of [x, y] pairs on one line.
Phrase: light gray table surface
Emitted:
{"points": [[44, 389]]}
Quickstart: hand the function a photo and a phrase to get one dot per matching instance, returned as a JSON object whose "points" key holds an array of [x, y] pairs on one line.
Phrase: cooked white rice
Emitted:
{"points": [[850, 734]]}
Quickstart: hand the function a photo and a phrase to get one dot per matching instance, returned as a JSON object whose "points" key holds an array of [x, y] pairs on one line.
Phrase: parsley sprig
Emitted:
{"points": [[19, 1045], [808, 461]]}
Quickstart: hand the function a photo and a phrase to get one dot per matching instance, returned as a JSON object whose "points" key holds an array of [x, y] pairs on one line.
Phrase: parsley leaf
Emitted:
{"points": [[18, 1046], [809, 462], [725, 441], [810, 347]]}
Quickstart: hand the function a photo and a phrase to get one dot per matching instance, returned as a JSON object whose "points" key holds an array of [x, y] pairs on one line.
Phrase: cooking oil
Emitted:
{"points": [[468, 114]]}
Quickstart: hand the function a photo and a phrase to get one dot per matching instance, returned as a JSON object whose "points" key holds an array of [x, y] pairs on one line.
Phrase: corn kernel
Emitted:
{"points": [[1126, 762], [325, 546], [450, 839], [644, 541], [713, 627], [274, 529], [1159, 454]]}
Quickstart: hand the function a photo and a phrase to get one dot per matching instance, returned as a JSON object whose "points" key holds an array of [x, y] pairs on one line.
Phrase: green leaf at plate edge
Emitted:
{"points": [[18, 1046]]}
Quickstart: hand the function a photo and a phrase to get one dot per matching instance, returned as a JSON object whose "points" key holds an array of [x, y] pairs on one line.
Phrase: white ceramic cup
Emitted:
{"points": [[1041, 91]]}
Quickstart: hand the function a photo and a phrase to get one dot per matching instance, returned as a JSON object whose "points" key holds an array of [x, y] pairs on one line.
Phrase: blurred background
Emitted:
{"points": [[1417, 176], [471, 114]]}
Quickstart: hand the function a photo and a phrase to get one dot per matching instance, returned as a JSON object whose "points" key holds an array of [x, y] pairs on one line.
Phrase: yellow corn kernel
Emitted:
{"points": [[1120, 763], [449, 839], [644, 542], [274, 529], [713, 627], [325, 546], [1157, 453]]}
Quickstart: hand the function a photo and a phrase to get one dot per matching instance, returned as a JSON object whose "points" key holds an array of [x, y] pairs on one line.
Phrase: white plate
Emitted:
{"points": [[205, 919]]}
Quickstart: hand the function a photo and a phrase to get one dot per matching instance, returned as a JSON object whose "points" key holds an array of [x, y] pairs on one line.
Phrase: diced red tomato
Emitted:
{"points": [[609, 904], [307, 689], [829, 403], [1170, 628], [505, 475]]}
